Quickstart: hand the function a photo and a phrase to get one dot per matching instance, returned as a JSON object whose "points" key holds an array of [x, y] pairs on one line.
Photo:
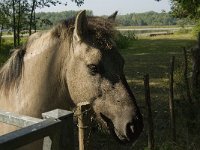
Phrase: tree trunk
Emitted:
{"points": [[19, 23], [1, 36], [31, 16], [34, 21], [14, 24]]}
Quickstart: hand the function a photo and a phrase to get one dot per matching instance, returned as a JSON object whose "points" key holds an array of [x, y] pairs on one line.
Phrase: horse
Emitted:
{"points": [[75, 61]]}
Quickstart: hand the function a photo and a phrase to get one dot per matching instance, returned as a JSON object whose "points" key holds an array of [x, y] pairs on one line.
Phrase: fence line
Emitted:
{"points": [[17, 120], [57, 124]]}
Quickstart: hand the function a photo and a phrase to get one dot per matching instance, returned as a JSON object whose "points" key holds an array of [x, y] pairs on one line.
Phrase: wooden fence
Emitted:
{"points": [[56, 128]]}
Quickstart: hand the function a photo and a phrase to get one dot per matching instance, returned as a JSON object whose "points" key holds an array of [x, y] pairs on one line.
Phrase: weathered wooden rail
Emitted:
{"points": [[56, 128], [160, 33]]}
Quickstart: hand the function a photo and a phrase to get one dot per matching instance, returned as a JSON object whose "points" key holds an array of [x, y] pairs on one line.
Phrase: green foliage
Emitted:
{"points": [[196, 29], [183, 31], [188, 117], [78, 2], [19, 15], [4, 20], [5, 50], [125, 39], [179, 84], [186, 8], [48, 19], [134, 19], [148, 18]]}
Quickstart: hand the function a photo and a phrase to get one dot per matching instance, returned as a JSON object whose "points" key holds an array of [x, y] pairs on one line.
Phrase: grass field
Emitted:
{"points": [[152, 56], [148, 55], [142, 27]]}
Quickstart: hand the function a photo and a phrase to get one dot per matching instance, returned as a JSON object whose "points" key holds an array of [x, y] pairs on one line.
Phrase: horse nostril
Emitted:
{"points": [[130, 129], [134, 128]]}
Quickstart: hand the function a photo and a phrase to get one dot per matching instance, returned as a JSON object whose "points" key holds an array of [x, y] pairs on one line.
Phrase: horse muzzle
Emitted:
{"points": [[125, 131]]}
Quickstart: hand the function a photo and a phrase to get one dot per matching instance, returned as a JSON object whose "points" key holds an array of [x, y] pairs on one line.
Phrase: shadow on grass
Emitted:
{"points": [[153, 56]]}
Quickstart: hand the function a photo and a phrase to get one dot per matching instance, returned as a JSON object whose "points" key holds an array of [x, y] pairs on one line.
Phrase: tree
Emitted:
{"points": [[185, 8], [4, 19], [21, 13], [33, 5], [44, 3], [14, 12]]}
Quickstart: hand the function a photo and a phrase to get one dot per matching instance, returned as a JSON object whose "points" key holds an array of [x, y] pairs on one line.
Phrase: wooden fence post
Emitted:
{"points": [[186, 76], [84, 122], [65, 135], [84, 125], [171, 99], [150, 118]]}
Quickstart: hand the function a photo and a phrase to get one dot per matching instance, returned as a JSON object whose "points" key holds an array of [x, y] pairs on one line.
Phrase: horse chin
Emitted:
{"points": [[118, 137]]}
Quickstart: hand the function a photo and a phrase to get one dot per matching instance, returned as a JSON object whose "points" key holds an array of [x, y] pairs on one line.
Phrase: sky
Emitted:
{"points": [[107, 7]]}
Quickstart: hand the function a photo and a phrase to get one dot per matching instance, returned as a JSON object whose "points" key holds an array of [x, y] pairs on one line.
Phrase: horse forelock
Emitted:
{"points": [[100, 31]]}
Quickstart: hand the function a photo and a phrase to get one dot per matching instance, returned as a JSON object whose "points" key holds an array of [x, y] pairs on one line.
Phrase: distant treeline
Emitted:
{"points": [[47, 19], [151, 19]]}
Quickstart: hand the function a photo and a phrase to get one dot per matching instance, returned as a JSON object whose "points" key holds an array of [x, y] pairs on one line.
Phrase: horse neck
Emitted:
{"points": [[43, 64]]}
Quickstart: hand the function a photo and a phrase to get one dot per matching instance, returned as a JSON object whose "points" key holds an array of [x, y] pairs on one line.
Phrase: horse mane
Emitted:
{"points": [[11, 72], [100, 33]]}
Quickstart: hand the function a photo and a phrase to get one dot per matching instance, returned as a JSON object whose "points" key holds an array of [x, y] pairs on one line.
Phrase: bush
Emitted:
{"points": [[196, 29], [183, 31], [124, 39]]}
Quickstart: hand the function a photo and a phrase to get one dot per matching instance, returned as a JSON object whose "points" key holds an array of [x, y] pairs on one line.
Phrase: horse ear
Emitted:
{"points": [[113, 16], [80, 25]]}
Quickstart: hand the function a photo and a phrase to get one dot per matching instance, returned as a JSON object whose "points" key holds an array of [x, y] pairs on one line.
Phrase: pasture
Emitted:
{"points": [[147, 55], [152, 55]]}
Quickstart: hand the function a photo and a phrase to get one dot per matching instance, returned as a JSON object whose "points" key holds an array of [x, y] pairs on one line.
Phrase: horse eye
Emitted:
{"points": [[93, 69]]}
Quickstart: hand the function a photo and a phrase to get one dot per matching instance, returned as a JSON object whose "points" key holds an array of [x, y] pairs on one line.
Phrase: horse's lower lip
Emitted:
{"points": [[117, 136]]}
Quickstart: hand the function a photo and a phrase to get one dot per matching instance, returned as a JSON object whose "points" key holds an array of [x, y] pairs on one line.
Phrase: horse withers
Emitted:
{"points": [[76, 61]]}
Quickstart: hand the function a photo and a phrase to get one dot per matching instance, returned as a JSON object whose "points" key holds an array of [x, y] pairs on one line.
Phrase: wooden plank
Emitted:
{"points": [[17, 120], [160, 33], [29, 134]]}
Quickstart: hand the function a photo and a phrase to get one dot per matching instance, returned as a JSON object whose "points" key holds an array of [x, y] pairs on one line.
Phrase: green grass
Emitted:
{"points": [[7, 44], [141, 27], [152, 55]]}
